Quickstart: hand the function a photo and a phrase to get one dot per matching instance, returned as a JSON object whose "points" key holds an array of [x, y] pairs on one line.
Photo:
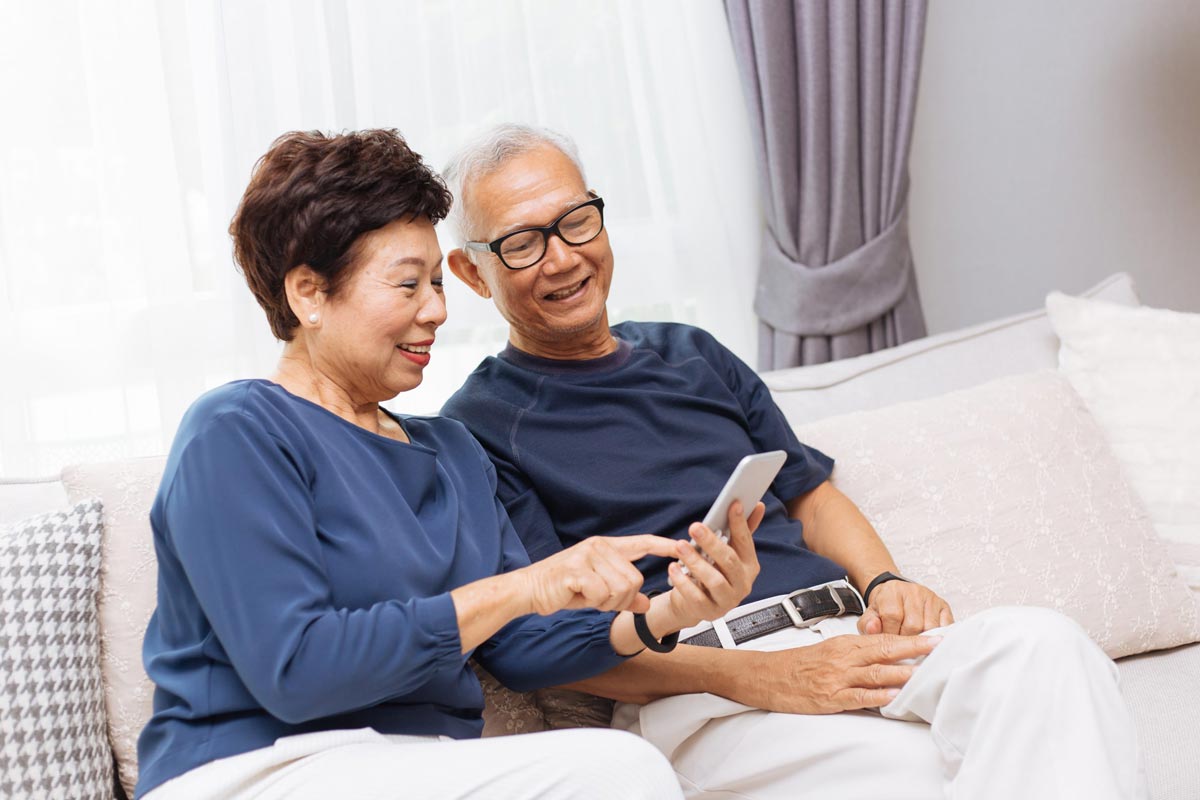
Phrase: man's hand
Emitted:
{"points": [[904, 608], [844, 673], [712, 590]]}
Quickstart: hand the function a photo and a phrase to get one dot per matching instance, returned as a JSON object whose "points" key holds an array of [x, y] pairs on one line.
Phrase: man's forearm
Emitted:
{"points": [[687, 670], [836, 529]]}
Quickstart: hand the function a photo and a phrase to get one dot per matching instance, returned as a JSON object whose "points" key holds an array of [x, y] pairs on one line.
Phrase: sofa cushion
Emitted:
{"points": [[930, 366], [52, 736], [1138, 371], [128, 594], [1160, 690], [1007, 494]]}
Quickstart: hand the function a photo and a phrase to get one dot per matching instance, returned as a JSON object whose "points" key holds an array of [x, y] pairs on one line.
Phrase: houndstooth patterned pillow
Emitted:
{"points": [[52, 734]]}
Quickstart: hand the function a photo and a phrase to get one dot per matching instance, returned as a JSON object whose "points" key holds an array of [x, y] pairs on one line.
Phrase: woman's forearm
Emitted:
{"points": [[487, 605]]}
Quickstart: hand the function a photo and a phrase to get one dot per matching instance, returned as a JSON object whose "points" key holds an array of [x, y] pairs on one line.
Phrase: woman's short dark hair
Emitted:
{"points": [[310, 200]]}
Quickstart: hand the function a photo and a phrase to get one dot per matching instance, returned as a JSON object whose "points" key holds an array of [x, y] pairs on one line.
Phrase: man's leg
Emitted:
{"points": [[1023, 704], [1019, 701], [723, 749]]}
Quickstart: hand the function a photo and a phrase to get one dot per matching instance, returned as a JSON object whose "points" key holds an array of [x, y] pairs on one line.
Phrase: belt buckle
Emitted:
{"points": [[794, 613]]}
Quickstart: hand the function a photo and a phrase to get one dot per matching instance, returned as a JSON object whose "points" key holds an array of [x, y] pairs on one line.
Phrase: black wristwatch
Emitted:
{"points": [[643, 631], [882, 577]]}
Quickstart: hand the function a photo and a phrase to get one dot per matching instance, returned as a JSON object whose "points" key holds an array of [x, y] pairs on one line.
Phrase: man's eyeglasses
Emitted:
{"points": [[524, 248]]}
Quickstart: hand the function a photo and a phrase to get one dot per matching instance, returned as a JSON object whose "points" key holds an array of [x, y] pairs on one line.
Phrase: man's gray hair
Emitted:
{"points": [[488, 152]]}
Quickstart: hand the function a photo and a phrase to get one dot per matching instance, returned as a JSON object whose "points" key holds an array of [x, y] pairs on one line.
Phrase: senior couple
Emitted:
{"points": [[327, 568]]}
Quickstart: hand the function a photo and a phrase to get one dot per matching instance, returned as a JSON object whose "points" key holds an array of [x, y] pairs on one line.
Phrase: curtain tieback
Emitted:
{"points": [[838, 297]]}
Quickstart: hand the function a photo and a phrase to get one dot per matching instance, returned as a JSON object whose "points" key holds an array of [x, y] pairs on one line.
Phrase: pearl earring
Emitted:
{"points": [[313, 317]]}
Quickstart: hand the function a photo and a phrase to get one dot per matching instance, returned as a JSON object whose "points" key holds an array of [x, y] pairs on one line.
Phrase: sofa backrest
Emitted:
{"points": [[25, 497], [128, 594], [930, 366]]}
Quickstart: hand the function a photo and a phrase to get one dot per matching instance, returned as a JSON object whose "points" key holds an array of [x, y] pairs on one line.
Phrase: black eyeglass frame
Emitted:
{"points": [[495, 245]]}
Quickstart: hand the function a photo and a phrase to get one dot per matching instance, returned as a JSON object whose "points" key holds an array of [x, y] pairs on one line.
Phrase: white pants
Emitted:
{"points": [[362, 764], [1015, 703]]}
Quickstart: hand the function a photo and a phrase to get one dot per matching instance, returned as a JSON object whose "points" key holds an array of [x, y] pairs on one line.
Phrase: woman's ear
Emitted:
{"points": [[305, 294], [468, 272]]}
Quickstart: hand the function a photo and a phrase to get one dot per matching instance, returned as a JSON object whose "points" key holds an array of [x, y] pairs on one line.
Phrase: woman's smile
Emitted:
{"points": [[417, 352]]}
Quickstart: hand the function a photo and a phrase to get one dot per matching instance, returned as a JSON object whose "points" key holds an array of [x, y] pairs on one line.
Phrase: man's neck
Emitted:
{"points": [[580, 346]]}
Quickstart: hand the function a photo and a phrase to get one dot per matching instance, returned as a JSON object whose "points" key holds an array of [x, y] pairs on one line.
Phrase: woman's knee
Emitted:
{"points": [[606, 763]]}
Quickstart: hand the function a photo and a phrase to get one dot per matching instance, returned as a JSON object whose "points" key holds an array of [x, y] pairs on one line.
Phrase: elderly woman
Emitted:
{"points": [[326, 568]]}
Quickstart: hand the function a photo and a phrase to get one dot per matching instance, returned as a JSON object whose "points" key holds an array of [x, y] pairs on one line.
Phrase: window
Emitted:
{"points": [[134, 127]]}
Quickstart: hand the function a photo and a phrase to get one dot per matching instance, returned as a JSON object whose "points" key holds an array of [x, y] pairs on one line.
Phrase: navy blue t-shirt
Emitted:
{"points": [[638, 441]]}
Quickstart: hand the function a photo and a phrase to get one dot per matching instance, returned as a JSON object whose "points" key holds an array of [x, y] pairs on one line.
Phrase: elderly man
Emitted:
{"points": [[596, 429]]}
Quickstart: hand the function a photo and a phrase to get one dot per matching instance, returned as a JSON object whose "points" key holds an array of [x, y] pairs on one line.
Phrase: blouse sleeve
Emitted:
{"points": [[239, 516]]}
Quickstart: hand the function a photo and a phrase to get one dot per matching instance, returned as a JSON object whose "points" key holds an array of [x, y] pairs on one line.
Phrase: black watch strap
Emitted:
{"points": [[668, 642], [882, 577]]}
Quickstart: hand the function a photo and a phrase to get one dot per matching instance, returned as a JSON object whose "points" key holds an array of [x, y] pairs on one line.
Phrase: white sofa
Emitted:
{"points": [[1162, 688]]}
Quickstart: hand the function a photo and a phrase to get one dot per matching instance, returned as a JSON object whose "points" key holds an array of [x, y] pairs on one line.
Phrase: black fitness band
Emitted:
{"points": [[643, 631], [882, 577]]}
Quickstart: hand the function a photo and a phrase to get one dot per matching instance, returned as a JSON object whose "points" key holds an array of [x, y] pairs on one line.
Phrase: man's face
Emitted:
{"points": [[561, 298]]}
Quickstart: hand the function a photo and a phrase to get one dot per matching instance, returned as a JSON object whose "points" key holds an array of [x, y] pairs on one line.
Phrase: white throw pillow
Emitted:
{"points": [[1138, 371], [1007, 494], [52, 734]]}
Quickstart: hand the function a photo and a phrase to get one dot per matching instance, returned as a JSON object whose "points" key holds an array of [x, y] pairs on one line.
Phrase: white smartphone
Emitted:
{"points": [[748, 482]]}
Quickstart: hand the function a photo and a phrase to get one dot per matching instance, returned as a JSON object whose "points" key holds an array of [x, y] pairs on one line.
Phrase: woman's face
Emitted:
{"points": [[376, 332]]}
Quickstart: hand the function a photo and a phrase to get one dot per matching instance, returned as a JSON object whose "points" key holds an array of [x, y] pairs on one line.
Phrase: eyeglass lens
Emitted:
{"points": [[578, 226]]}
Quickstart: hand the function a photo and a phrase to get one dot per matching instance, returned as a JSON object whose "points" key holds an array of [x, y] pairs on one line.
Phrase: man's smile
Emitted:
{"points": [[567, 292]]}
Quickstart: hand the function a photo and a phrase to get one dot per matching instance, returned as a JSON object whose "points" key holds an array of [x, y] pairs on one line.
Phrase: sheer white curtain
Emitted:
{"points": [[131, 129]]}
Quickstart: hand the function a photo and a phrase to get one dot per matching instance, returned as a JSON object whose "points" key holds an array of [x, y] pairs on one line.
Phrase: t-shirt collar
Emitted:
{"points": [[555, 366]]}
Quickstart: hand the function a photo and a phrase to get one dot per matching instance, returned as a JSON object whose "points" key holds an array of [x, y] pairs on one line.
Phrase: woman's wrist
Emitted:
{"points": [[488, 604], [519, 588]]}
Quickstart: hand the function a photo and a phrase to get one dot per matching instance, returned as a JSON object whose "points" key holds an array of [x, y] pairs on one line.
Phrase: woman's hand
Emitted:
{"points": [[596, 573], [711, 590]]}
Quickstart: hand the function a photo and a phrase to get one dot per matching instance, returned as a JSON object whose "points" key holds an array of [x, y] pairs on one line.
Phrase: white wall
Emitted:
{"points": [[1056, 142]]}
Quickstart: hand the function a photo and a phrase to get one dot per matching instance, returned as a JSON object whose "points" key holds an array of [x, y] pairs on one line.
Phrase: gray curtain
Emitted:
{"points": [[831, 87]]}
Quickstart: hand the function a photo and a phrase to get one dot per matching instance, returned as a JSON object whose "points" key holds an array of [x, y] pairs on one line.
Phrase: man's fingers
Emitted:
{"points": [[931, 617], [869, 622], [883, 676], [723, 556], [945, 617], [756, 517], [702, 571], [913, 621], [741, 530], [888, 648], [688, 589], [869, 698], [891, 611]]}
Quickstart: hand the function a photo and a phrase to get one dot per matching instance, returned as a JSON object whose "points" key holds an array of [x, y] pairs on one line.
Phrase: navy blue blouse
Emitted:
{"points": [[304, 570]]}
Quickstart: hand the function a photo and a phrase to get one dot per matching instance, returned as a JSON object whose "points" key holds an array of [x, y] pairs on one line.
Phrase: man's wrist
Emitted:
{"points": [[661, 617], [880, 579]]}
